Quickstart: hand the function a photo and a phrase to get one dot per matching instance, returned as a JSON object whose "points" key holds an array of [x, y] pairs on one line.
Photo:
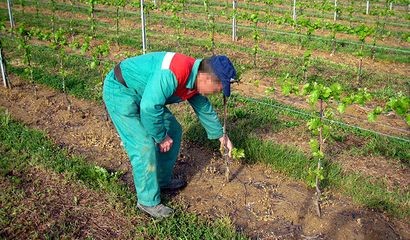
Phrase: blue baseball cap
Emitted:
{"points": [[225, 71]]}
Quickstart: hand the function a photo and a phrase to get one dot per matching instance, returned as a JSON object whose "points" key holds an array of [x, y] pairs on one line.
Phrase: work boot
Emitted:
{"points": [[174, 184], [158, 211]]}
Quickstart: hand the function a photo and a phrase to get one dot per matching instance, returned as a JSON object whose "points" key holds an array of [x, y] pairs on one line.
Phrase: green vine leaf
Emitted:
{"points": [[341, 107], [314, 145], [312, 174], [373, 114], [238, 153], [314, 124], [318, 154]]}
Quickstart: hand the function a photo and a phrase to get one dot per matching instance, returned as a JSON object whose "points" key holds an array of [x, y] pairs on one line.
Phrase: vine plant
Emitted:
{"points": [[362, 32], [399, 104], [379, 29], [177, 21], [118, 4], [311, 27], [23, 4], [323, 98], [91, 18], [307, 62], [37, 6], [23, 37], [333, 37], [53, 15], [183, 4], [256, 36], [211, 27], [350, 11], [58, 43], [98, 54], [86, 44]]}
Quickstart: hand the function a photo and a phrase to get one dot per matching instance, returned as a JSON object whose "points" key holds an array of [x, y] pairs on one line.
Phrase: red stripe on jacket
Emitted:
{"points": [[181, 66]]}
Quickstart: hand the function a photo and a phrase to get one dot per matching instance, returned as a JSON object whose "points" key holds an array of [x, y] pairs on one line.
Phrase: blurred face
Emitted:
{"points": [[206, 84]]}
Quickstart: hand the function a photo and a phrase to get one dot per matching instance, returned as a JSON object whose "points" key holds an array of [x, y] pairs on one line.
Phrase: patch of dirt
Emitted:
{"points": [[266, 205], [49, 205], [263, 204], [395, 175], [296, 137]]}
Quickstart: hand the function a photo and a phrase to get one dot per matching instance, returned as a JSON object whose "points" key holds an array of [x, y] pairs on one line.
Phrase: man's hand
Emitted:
{"points": [[166, 144], [225, 141]]}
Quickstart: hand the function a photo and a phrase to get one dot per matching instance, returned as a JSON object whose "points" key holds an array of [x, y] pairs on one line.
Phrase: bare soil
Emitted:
{"points": [[48, 205], [261, 203]]}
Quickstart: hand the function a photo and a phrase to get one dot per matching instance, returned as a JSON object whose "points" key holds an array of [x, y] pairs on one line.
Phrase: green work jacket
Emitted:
{"points": [[162, 78]]}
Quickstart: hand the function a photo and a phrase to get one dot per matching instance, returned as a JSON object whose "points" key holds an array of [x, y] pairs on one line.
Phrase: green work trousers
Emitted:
{"points": [[151, 169]]}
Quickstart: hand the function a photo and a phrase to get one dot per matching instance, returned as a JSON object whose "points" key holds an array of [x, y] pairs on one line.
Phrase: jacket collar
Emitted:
{"points": [[194, 72]]}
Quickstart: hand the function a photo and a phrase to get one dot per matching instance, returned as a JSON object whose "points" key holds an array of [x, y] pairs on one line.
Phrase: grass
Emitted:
{"points": [[22, 148], [373, 193]]}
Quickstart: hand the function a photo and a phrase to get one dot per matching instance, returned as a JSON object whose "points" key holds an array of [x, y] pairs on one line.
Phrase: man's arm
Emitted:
{"points": [[210, 121], [207, 116]]}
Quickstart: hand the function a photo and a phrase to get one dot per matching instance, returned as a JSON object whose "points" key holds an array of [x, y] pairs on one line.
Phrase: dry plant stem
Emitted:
{"points": [[225, 148], [319, 164]]}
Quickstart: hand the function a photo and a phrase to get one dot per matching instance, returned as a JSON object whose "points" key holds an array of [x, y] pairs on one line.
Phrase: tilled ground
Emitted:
{"points": [[261, 203], [44, 204]]}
